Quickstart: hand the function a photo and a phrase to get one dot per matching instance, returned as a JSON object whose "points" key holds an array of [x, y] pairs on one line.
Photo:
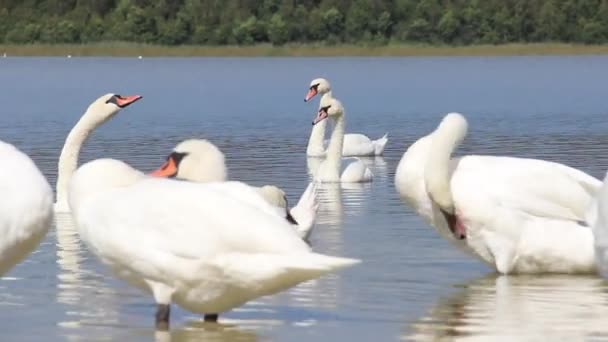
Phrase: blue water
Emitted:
{"points": [[411, 285]]}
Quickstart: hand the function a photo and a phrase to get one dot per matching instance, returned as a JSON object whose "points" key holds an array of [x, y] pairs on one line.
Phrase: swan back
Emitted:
{"points": [[98, 176], [202, 162], [449, 134]]}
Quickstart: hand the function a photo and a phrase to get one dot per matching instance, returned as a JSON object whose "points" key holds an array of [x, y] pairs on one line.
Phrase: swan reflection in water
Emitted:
{"points": [[330, 195], [200, 331], [515, 308], [90, 300]]}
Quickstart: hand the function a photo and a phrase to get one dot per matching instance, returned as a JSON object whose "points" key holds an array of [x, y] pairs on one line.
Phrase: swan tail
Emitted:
{"points": [[380, 144], [272, 273], [305, 211]]}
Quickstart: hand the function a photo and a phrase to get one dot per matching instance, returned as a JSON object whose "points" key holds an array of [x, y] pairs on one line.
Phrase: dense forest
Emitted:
{"points": [[221, 22]]}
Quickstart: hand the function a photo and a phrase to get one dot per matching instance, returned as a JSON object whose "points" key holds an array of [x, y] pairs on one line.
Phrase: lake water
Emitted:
{"points": [[411, 285]]}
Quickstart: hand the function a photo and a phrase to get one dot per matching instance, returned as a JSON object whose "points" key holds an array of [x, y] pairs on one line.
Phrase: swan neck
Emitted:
{"points": [[68, 160], [315, 142], [317, 134], [437, 169], [334, 150]]}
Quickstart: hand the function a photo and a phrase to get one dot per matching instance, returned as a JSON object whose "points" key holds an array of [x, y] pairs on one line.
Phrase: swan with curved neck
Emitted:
{"points": [[518, 215], [26, 206], [330, 169], [201, 246], [355, 144], [98, 112], [199, 160]]}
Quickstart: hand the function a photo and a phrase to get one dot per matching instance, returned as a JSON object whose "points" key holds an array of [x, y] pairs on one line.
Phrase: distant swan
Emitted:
{"points": [[329, 170], [518, 215], [198, 245], [199, 160], [98, 112], [355, 144], [26, 206]]}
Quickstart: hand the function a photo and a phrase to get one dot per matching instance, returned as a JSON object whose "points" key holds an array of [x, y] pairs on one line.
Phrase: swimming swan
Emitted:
{"points": [[329, 170], [355, 144]]}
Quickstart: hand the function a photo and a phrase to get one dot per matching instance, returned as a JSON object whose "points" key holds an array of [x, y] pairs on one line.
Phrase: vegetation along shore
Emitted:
{"points": [[303, 27], [299, 50]]}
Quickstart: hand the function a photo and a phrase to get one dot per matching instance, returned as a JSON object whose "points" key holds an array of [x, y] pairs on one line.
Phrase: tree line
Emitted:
{"points": [[244, 22]]}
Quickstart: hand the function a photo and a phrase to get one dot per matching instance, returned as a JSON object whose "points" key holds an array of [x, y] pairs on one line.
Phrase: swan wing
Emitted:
{"points": [[534, 187], [356, 144], [247, 194], [305, 211]]}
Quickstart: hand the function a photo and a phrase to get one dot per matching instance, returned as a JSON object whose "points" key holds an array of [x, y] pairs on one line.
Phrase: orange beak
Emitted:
{"points": [[167, 170], [311, 93], [124, 101], [321, 115]]}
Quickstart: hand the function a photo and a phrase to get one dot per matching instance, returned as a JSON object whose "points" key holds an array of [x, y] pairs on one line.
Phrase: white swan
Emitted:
{"points": [[355, 144], [26, 206], [329, 171], [600, 228], [98, 112], [199, 245], [518, 215], [198, 160]]}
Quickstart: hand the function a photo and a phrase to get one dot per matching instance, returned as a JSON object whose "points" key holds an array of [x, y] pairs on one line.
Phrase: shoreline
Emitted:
{"points": [[297, 50]]}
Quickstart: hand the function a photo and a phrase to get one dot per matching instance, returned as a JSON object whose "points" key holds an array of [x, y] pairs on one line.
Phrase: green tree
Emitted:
{"points": [[550, 22], [448, 26], [420, 30], [278, 33], [61, 32], [24, 34], [249, 31]]}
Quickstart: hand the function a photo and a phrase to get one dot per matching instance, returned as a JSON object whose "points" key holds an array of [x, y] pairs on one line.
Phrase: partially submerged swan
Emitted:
{"points": [[98, 112], [26, 206], [198, 160], [518, 215], [202, 246], [355, 144], [330, 170]]}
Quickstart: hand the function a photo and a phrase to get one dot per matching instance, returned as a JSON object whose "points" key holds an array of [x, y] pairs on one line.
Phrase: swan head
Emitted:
{"points": [[194, 160], [100, 175], [317, 86], [453, 125], [333, 108], [274, 195], [108, 105]]}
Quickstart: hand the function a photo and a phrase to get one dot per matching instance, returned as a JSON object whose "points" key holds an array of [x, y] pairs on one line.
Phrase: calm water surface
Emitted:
{"points": [[411, 286]]}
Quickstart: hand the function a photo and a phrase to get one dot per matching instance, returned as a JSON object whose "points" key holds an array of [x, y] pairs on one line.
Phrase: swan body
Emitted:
{"points": [[194, 244], [518, 215], [198, 160], [355, 144], [600, 228], [98, 112], [330, 170], [26, 206]]}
